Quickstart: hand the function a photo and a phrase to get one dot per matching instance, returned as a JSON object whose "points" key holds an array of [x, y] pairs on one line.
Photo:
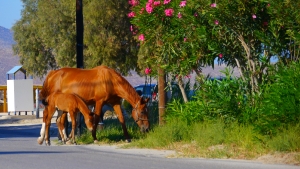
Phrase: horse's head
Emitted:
{"points": [[140, 115], [90, 121]]}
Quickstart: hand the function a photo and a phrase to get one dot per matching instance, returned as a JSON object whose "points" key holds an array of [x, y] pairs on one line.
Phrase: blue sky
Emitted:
{"points": [[10, 12]]}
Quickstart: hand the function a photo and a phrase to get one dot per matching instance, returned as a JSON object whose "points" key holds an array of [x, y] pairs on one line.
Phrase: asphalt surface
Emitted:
{"points": [[19, 149]]}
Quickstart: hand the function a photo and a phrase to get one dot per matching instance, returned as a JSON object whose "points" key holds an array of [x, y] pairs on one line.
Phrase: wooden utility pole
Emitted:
{"points": [[79, 50], [79, 33]]}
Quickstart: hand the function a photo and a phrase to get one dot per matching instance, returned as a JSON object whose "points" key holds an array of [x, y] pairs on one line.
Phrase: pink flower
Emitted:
{"points": [[195, 14], [184, 39], [213, 5], [156, 3], [182, 4], [216, 22], [167, 1], [149, 7], [147, 71], [253, 16], [131, 15], [169, 12], [150, 1], [141, 37], [220, 55], [268, 5], [131, 28], [142, 10], [179, 15], [133, 2]]}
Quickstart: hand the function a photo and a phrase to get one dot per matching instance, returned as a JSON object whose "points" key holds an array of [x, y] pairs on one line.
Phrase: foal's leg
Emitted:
{"points": [[118, 110], [51, 111], [73, 116], [61, 125]]}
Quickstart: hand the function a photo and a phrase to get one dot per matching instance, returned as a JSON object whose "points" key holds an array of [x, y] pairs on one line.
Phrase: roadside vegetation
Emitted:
{"points": [[223, 120]]}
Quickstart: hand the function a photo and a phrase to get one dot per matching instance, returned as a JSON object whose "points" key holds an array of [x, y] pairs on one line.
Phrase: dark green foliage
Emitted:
{"points": [[46, 35], [280, 99], [274, 107]]}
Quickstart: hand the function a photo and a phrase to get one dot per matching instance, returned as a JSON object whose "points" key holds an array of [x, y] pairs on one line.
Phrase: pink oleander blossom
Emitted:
{"points": [[253, 16], [142, 10], [147, 71], [167, 1], [169, 12], [149, 7], [150, 1], [131, 28], [133, 2], [182, 4], [213, 5], [156, 3], [131, 15], [179, 15], [216, 22], [141, 37]]}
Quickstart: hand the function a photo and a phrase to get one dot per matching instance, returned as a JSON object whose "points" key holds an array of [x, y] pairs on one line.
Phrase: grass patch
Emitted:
{"points": [[209, 139]]}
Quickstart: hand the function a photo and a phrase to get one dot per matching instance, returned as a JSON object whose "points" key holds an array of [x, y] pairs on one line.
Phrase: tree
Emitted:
{"points": [[172, 36], [182, 36], [35, 56], [46, 35]]}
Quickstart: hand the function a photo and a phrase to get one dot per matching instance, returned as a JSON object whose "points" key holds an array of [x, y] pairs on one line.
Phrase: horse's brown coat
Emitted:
{"points": [[100, 85]]}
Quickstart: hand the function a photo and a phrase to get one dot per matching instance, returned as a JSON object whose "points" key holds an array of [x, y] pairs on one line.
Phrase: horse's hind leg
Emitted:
{"points": [[40, 140]]}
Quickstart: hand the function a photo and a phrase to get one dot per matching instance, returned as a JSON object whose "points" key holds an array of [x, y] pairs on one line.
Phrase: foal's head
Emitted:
{"points": [[140, 115], [90, 121]]}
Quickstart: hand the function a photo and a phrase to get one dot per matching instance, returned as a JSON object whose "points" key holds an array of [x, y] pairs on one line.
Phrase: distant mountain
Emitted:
{"points": [[8, 60]]}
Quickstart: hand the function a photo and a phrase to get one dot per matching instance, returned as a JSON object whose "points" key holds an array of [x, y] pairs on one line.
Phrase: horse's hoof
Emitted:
{"points": [[48, 144], [69, 142], [40, 141], [95, 141], [128, 140]]}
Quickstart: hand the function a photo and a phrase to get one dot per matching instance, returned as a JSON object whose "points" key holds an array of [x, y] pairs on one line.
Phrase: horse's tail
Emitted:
{"points": [[45, 89]]}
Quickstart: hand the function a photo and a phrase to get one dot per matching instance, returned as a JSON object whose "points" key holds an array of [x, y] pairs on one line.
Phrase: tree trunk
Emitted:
{"points": [[162, 95]]}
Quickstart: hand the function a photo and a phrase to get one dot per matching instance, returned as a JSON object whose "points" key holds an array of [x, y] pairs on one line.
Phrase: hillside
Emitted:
{"points": [[8, 61]]}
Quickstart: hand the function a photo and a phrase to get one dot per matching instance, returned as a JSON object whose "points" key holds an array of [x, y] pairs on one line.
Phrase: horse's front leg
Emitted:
{"points": [[118, 110], [98, 108]]}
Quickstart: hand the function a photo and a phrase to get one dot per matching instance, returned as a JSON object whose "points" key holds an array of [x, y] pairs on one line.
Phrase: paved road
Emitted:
{"points": [[19, 150]]}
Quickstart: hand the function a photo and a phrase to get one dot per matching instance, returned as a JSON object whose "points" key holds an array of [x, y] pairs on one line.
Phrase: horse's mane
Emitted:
{"points": [[121, 82]]}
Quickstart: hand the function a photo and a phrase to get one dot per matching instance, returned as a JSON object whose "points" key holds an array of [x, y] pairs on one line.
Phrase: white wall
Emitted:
{"points": [[20, 95]]}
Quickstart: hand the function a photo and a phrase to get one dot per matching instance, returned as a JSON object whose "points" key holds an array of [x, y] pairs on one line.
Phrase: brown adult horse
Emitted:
{"points": [[67, 103], [98, 86]]}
